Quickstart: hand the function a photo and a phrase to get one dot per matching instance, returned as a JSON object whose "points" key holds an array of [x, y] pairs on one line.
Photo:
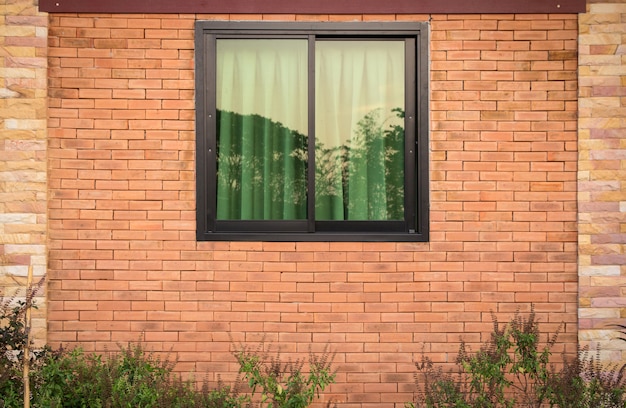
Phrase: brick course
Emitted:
{"points": [[124, 263]]}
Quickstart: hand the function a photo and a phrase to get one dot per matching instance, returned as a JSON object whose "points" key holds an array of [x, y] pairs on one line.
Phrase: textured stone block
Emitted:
{"points": [[23, 63], [601, 224]]}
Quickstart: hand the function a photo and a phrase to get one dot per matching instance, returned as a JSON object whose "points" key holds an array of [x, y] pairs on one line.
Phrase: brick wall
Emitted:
{"points": [[23, 42], [602, 202], [124, 263]]}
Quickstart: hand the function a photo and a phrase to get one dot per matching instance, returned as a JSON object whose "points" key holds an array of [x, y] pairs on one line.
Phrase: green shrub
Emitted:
{"points": [[286, 385], [13, 340], [585, 382], [134, 377], [513, 370], [131, 377]]}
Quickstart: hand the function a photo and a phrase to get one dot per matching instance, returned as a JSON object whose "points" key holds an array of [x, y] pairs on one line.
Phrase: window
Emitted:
{"points": [[312, 131]]}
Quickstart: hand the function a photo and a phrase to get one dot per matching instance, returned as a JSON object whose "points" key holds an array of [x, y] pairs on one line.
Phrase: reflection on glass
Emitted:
{"points": [[262, 126], [261, 129], [359, 130]]}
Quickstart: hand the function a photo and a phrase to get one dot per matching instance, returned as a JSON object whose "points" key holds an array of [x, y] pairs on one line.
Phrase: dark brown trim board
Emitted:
{"points": [[314, 7]]}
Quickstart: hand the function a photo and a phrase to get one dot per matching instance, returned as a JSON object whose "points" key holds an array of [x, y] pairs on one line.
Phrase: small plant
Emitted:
{"points": [[285, 385], [585, 382], [510, 370], [530, 365], [487, 370], [12, 336], [440, 388], [16, 356], [132, 377]]}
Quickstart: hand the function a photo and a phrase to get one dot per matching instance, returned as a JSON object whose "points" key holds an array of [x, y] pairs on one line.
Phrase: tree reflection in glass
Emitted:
{"points": [[273, 173], [262, 103]]}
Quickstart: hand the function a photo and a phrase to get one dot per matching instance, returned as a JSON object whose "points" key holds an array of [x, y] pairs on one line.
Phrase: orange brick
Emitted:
{"points": [[122, 183]]}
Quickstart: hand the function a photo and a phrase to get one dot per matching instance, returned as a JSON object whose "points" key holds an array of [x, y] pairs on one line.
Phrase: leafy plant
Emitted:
{"points": [[440, 388], [12, 340], [16, 358], [132, 377], [530, 365], [286, 385], [585, 382], [135, 377], [511, 369]]}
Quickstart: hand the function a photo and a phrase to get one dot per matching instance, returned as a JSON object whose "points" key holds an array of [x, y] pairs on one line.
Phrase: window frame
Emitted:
{"points": [[414, 227]]}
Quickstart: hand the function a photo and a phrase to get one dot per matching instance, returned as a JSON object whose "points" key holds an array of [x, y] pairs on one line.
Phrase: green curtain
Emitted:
{"points": [[262, 124]]}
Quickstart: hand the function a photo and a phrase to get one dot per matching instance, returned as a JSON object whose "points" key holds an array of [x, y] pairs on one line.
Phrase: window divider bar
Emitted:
{"points": [[311, 136], [422, 114], [410, 182]]}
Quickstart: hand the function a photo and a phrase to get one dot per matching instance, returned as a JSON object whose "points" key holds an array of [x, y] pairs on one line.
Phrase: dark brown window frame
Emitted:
{"points": [[314, 7], [415, 226]]}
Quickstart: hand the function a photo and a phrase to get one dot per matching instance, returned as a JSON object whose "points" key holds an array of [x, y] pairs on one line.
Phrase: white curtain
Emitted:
{"points": [[358, 85], [262, 104], [262, 99], [266, 78]]}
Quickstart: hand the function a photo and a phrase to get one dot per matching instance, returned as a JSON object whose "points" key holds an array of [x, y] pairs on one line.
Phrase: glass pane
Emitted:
{"points": [[359, 130], [261, 129]]}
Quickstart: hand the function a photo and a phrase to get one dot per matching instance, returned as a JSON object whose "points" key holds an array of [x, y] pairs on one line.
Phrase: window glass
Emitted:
{"points": [[359, 129], [261, 97]]}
